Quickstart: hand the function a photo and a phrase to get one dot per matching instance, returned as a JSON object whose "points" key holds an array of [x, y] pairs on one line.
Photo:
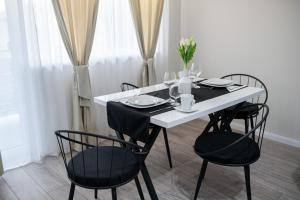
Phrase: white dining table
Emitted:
{"points": [[173, 118]]}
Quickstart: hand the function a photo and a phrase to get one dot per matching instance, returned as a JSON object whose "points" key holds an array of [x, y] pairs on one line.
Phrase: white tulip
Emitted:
{"points": [[181, 42], [186, 42], [193, 43]]}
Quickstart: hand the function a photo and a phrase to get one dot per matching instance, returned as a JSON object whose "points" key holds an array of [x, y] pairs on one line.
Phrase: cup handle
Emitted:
{"points": [[170, 91], [193, 102]]}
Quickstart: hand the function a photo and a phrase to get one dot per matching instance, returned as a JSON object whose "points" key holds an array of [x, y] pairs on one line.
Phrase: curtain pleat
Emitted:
{"points": [[77, 21], [146, 17], [1, 165]]}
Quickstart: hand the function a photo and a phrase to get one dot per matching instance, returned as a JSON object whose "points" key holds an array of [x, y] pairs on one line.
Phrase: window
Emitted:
{"points": [[11, 137], [114, 36], [7, 81]]}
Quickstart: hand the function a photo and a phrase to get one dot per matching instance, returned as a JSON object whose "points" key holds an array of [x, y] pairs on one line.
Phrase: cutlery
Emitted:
{"points": [[154, 111], [204, 86]]}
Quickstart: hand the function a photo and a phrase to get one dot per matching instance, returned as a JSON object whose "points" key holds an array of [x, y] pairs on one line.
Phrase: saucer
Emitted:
{"points": [[180, 109]]}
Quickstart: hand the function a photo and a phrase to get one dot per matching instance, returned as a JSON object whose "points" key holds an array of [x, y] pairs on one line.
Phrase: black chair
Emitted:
{"points": [[102, 163], [129, 86], [231, 148], [244, 114]]}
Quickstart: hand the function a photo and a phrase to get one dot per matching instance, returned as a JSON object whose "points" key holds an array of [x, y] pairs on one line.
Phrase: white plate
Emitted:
{"points": [[220, 86], [198, 79], [125, 102], [180, 109], [144, 100], [217, 82]]}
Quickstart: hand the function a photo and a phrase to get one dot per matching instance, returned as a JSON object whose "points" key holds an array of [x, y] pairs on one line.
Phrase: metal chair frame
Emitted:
{"points": [[249, 78], [128, 86], [246, 79], [68, 138], [258, 129]]}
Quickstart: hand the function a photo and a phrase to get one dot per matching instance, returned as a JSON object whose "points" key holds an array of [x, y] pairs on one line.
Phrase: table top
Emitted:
{"points": [[173, 118]]}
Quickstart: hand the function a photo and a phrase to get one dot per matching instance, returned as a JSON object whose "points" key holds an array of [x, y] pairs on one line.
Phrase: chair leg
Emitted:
{"points": [[121, 137], [72, 190], [167, 146], [96, 194], [252, 126], [247, 177], [139, 188], [114, 193], [148, 182], [212, 117], [246, 125], [201, 176]]}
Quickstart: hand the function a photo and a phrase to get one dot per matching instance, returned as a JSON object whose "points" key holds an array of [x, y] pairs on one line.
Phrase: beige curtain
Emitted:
{"points": [[1, 165], [146, 15], [77, 21]]}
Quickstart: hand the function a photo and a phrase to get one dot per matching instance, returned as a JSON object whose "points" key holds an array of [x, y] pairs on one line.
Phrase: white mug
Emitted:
{"points": [[187, 101]]}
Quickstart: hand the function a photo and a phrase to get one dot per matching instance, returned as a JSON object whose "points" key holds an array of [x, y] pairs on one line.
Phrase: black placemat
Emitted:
{"points": [[205, 93], [200, 94], [149, 111], [126, 120]]}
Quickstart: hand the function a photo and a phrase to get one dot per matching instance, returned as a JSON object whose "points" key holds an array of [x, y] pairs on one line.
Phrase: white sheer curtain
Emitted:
{"points": [[36, 76], [36, 90]]}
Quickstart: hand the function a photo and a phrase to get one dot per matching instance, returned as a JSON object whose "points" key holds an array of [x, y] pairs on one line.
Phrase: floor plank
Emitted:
{"points": [[44, 178], [5, 191], [23, 186], [62, 193]]}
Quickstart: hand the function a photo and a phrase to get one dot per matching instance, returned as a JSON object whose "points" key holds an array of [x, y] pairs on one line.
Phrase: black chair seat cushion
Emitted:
{"points": [[116, 166], [244, 113], [245, 151]]}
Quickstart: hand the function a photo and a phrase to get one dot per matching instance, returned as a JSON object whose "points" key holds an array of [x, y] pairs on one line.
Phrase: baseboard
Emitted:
{"points": [[15, 157], [268, 135], [281, 139]]}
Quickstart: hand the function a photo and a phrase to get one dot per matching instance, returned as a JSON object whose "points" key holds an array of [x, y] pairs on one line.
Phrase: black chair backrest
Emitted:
{"points": [[259, 123], [82, 151], [252, 81], [128, 86]]}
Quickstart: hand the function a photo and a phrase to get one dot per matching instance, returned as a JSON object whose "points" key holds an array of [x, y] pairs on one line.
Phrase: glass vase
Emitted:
{"points": [[185, 83]]}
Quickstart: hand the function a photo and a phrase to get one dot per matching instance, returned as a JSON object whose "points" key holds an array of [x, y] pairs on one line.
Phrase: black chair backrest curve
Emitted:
{"points": [[87, 155], [260, 119], [252, 81], [128, 86]]}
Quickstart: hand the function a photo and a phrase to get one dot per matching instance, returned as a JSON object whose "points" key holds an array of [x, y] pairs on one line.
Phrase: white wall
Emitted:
{"points": [[258, 37], [174, 34]]}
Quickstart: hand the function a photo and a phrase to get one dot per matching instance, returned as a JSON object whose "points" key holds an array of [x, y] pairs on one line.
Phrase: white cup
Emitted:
{"points": [[187, 101]]}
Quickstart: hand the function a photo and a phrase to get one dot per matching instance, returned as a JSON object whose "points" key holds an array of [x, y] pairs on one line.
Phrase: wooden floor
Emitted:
{"points": [[275, 176]]}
